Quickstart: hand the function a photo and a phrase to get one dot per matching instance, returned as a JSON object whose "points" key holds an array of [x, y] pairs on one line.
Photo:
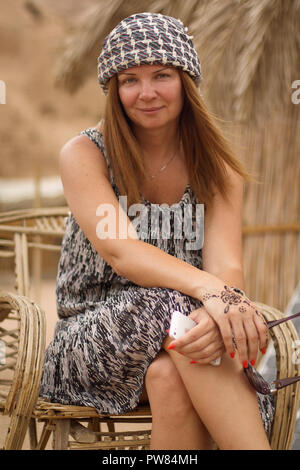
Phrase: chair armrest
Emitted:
{"points": [[24, 388], [284, 337]]}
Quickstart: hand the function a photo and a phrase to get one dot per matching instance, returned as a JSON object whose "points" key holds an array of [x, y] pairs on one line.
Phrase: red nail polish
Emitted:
{"points": [[263, 351], [232, 355], [252, 362], [171, 346], [245, 364], [167, 331], [193, 362]]}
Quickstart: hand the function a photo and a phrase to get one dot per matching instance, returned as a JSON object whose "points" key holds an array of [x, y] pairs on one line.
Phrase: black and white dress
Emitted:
{"points": [[110, 329]]}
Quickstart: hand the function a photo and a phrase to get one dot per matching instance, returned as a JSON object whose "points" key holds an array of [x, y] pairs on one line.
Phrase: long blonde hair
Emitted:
{"points": [[206, 149]]}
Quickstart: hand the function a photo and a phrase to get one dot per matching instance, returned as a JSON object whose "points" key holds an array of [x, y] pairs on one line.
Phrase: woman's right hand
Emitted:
{"points": [[203, 343], [241, 325]]}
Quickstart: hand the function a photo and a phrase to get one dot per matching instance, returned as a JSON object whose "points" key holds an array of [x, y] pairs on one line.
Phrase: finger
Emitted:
{"points": [[205, 322], [199, 348], [262, 329], [252, 339], [226, 333], [208, 351], [240, 340], [193, 335], [201, 316], [194, 315], [208, 359], [261, 326]]}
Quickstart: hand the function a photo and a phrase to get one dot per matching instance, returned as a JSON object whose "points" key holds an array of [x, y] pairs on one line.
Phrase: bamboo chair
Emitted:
{"points": [[24, 235], [23, 335]]}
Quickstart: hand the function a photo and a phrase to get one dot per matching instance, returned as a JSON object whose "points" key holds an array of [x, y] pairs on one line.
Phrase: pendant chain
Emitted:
{"points": [[164, 166]]}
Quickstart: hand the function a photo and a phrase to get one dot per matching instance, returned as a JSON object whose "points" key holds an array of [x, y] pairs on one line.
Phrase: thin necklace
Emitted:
{"points": [[164, 166]]}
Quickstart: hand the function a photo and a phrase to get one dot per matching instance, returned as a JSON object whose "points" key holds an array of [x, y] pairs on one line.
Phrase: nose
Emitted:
{"points": [[147, 91]]}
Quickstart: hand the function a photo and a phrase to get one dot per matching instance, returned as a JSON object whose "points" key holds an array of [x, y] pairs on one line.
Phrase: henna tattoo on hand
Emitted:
{"points": [[234, 296], [230, 296]]}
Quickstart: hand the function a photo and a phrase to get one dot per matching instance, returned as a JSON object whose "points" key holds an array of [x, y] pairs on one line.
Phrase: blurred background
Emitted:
{"points": [[249, 51]]}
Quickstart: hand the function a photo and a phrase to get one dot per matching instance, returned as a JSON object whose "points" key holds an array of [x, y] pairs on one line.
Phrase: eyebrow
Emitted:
{"points": [[131, 73]]}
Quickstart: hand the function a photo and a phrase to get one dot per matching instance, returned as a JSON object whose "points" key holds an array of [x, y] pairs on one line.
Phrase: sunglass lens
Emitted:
{"points": [[257, 381]]}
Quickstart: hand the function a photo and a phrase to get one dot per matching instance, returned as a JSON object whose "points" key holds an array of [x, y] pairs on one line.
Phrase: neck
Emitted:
{"points": [[157, 143]]}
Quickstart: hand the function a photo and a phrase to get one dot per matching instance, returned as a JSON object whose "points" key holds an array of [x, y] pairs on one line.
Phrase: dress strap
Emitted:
{"points": [[97, 137]]}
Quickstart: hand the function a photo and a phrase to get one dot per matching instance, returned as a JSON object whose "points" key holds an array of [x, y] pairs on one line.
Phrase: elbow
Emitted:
{"points": [[117, 265], [124, 258]]}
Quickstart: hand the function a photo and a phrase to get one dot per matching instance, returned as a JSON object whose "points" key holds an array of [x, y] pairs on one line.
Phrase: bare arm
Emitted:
{"points": [[223, 251], [223, 257], [86, 185]]}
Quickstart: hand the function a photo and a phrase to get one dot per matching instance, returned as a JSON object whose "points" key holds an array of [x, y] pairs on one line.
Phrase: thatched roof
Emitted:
{"points": [[249, 52]]}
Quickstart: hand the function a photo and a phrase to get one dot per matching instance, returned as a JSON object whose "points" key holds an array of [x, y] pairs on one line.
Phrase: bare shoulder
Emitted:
{"points": [[80, 152]]}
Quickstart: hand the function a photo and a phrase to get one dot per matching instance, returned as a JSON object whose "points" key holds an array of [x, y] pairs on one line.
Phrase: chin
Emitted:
{"points": [[153, 123]]}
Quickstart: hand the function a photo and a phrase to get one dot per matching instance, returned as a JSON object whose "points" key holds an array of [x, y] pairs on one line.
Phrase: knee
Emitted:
{"points": [[165, 388], [162, 373]]}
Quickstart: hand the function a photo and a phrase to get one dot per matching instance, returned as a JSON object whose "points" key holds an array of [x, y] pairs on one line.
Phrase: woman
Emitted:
{"points": [[158, 154]]}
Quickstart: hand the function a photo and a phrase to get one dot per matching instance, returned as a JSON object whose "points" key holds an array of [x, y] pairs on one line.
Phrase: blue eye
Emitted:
{"points": [[162, 75], [127, 81]]}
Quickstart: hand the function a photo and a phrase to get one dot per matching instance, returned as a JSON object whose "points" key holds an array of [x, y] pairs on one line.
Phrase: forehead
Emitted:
{"points": [[145, 69]]}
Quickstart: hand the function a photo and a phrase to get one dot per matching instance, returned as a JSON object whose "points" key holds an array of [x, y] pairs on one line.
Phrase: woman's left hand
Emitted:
{"points": [[204, 342]]}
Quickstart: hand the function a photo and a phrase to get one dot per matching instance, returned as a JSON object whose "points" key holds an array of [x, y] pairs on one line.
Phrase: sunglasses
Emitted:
{"points": [[258, 382]]}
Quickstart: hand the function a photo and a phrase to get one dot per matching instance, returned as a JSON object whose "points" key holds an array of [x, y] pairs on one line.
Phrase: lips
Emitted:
{"points": [[151, 110]]}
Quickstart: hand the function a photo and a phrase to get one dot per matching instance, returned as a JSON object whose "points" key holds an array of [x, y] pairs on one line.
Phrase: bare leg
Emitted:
{"points": [[225, 402], [175, 423]]}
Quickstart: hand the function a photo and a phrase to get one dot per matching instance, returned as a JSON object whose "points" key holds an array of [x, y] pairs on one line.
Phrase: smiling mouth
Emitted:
{"points": [[151, 110]]}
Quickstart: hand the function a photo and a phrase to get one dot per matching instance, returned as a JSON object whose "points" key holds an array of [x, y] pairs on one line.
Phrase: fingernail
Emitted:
{"points": [[263, 351], [171, 346], [252, 362], [167, 331], [245, 364], [232, 355], [193, 362]]}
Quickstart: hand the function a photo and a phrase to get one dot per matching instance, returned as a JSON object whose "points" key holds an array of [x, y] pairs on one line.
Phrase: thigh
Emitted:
{"points": [[176, 424], [222, 396]]}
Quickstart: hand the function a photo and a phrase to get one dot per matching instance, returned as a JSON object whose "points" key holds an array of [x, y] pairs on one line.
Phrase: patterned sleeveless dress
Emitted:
{"points": [[110, 329]]}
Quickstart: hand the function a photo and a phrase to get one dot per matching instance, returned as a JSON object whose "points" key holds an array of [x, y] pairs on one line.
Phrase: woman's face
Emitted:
{"points": [[151, 95]]}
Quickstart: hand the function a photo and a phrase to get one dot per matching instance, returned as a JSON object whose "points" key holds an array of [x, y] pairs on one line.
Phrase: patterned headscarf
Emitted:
{"points": [[147, 38]]}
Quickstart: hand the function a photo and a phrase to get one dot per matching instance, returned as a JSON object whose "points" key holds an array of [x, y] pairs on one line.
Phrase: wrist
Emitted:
{"points": [[203, 292], [223, 290]]}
